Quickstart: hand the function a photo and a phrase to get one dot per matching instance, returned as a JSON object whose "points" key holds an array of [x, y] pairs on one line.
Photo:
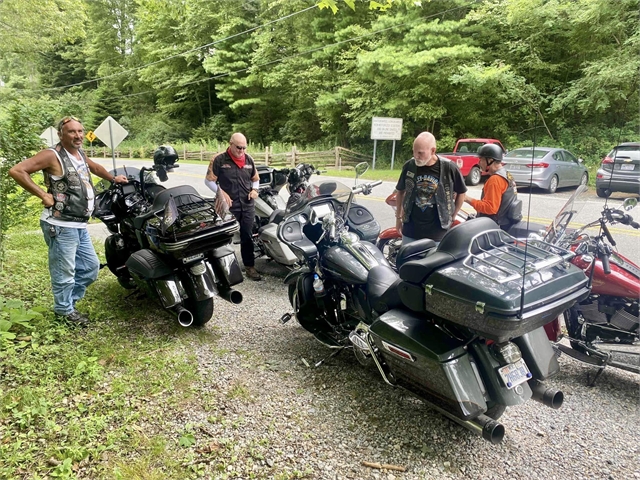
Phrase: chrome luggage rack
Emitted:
{"points": [[502, 258]]}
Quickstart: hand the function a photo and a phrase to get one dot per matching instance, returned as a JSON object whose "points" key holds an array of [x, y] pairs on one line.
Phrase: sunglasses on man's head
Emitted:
{"points": [[66, 120]]}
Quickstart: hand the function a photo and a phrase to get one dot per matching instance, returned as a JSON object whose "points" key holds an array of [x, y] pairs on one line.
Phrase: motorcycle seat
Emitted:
{"points": [[414, 250], [456, 244], [276, 216], [160, 201], [382, 288]]}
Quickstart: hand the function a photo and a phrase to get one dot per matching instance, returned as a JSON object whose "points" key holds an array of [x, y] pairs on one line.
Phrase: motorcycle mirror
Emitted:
{"points": [[629, 203]]}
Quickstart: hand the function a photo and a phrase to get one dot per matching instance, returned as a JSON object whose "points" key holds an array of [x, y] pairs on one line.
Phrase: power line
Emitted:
{"points": [[170, 57]]}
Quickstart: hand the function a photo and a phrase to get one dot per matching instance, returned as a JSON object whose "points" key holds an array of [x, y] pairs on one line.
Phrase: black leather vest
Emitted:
{"points": [[508, 197], [71, 202], [444, 193]]}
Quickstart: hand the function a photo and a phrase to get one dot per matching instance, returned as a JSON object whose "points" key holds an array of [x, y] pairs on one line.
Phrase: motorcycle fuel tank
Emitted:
{"points": [[351, 263]]}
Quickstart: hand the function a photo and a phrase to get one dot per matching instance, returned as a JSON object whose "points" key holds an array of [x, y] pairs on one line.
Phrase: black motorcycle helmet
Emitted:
{"points": [[491, 150], [165, 155]]}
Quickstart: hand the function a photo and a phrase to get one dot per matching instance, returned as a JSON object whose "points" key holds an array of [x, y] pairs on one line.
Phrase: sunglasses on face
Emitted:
{"points": [[239, 147]]}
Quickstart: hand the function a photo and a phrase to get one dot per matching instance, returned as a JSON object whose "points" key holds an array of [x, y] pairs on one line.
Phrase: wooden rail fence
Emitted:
{"points": [[337, 158]]}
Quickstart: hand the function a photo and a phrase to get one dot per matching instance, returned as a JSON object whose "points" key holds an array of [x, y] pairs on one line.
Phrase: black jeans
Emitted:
{"points": [[245, 219]]}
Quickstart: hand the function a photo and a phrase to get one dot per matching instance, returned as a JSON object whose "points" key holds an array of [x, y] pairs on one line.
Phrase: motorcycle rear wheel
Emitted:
{"points": [[496, 411], [202, 311]]}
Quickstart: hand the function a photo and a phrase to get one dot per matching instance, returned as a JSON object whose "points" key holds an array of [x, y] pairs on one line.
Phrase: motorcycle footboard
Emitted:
{"points": [[429, 363]]}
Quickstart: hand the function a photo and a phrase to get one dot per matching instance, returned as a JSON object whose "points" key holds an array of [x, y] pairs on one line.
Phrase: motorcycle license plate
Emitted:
{"points": [[192, 258], [514, 374]]}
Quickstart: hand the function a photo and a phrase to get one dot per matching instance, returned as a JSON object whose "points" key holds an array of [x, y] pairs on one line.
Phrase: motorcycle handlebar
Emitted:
{"points": [[607, 233], [605, 263]]}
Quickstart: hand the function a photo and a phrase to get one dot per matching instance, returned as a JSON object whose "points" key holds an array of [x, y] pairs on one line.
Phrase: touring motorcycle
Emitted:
{"points": [[461, 328], [603, 329], [271, 207], [169, 242]]}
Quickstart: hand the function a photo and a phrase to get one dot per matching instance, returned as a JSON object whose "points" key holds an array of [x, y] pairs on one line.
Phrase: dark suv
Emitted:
{"points": [[620, 170]]}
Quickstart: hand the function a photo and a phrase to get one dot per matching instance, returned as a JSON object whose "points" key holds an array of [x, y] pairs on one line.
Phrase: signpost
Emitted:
{"points": [[385, 128], [111, 133], [50, 136]]}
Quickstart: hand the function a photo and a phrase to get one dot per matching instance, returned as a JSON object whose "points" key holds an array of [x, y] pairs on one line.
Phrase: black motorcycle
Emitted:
{"points": [[461, 327], [169, 242]]}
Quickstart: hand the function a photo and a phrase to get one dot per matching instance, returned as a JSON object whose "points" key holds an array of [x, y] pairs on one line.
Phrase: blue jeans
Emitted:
{"points": [[73, 265]]}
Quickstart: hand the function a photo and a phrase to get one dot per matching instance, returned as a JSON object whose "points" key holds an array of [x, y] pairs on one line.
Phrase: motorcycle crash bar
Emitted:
{"points": [[549, 397], [185, 318], [231, 295]]}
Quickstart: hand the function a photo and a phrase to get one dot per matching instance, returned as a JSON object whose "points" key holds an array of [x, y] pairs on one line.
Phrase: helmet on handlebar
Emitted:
{"points": [[165, 155], [490, 150]]}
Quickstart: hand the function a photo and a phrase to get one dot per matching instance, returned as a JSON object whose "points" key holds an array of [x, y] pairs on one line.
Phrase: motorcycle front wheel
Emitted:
{"points": [[389, 248], [202, 311]]}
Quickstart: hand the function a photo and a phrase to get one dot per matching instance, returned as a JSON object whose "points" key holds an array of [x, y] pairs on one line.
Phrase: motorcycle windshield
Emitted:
{"points": [[129, 172], [321, 189], [558, 228]]}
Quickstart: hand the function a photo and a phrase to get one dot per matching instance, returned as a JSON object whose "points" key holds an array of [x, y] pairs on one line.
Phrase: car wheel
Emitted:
{"points": [[603, 192], [584, 179], [553, 184], [474, 176]]}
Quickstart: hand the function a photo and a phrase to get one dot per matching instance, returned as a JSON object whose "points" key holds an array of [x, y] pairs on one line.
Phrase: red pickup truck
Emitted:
{"points": [[465, 156]]}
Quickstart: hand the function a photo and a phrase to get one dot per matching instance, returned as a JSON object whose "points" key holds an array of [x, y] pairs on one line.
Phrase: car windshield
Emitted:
{"points": [[527, 153], [557, 229], [626, 151], [321, 189]]}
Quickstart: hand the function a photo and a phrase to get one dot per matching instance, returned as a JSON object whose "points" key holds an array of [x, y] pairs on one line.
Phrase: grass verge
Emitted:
{"points": [[90, 403]]}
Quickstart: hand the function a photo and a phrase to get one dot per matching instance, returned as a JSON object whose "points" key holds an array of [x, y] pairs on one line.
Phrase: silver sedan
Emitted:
{"points": [[546, 168]]}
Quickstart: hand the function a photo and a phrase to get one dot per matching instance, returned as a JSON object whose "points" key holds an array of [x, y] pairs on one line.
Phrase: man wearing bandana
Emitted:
{"points": [[68, 204], [233, 175], [430, 193]]}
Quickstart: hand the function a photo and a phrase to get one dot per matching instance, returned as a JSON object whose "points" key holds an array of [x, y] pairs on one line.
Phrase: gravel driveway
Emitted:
{"points": [[270, 415]]}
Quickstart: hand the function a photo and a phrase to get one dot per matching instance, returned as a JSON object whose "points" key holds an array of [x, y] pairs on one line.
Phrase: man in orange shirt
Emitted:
{"points": [[499, 199]]}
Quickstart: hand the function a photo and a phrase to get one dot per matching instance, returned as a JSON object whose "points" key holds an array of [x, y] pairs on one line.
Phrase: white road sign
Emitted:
{"points": [[385, 128], [50, 136], [111, 133]]}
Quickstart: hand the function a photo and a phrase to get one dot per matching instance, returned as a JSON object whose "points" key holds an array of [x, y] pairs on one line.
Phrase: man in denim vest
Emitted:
{"points": [[430, 193], [68, 205]]}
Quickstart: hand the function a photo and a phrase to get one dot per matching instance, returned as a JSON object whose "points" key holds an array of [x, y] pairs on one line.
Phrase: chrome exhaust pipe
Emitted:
{"points": [[185, 318], [231, 295], [549, 397], [486, 427]]}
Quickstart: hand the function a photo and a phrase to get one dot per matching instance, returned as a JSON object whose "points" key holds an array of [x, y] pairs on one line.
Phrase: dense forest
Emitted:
{"points": [[553, 72]]}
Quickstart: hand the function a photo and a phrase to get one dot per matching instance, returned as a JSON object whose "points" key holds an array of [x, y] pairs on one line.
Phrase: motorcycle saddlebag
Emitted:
{"points": [[225, 266], [430, 363], [475, 279]]}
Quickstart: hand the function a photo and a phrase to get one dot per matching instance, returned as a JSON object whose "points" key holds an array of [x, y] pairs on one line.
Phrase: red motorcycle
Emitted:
{"points": [[603, 328]]}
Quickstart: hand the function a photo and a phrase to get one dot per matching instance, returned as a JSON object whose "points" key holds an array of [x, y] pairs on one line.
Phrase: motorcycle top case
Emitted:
{"points": [[196, 228], [477, 275], [429, 362]]}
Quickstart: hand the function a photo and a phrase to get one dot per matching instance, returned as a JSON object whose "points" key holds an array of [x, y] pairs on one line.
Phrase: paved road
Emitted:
{"points": [[539, 207]]}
